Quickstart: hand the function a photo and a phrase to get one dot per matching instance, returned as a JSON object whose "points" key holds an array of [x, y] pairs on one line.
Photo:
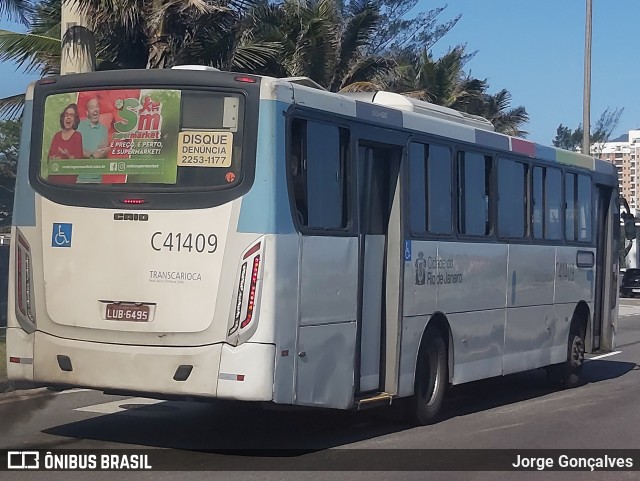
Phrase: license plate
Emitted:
{"points": [[128, 312], [635, 290]]}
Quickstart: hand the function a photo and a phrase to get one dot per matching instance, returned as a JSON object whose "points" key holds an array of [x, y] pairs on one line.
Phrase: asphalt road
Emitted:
{"points": [[516, 412]]}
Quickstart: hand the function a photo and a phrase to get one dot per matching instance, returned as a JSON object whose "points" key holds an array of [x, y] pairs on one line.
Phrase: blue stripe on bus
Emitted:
{"points": [[489, 139], [265, 208], [546, 153], [24, 211]]}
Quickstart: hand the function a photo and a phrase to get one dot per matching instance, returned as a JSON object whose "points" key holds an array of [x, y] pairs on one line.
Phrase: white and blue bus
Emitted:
{"points": [[207, 234]]}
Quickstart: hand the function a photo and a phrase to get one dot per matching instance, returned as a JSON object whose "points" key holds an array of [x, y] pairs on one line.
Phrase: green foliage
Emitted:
{"points": [[9, 146], [569, 139], [444, 82], [345, 45], [16, 9], [399, 32]]}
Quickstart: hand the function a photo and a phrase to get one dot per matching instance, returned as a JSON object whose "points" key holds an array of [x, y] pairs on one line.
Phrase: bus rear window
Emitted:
{"points": [[166, 138]]}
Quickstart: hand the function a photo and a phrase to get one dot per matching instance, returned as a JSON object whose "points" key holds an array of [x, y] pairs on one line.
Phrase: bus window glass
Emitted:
{"points": [[584, 213], [417, 186], [512, 193], [474, 181], [553, 203], [538, 203], [167, 138], [318, 167], [439, 189], [570, 203]]}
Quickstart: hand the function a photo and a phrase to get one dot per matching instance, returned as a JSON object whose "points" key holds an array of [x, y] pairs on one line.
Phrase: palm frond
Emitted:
{"points": [[12, 107], [32, 52], [367, 68], [361, 87], [253, 56], [19, 10]]}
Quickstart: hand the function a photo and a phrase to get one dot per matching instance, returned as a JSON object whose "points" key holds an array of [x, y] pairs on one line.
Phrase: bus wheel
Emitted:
{"points": [[568, 374], [431, 379]]}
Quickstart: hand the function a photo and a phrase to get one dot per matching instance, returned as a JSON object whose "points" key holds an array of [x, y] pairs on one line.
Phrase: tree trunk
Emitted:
{"points": [[78, 42], [159, 51]]}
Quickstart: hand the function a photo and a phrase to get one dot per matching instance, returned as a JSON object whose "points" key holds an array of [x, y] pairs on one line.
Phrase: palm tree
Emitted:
{"points": [[444, 82], [506, 120], [141, 34], [321, 39], [163, 33]]}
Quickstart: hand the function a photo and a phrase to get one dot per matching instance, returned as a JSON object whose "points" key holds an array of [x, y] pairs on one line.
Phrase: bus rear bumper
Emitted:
{"points": [[19, 347], [216, 371]]}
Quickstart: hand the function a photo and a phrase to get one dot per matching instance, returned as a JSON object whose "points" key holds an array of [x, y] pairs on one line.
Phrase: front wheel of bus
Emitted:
{"points": [[431, 379], [568, 374]]}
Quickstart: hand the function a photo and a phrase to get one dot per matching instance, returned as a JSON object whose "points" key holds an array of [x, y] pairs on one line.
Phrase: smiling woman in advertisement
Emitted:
{"points": [[67, 144]]}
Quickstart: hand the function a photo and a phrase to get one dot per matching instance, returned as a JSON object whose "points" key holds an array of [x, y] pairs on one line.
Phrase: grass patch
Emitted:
{"points": [[3, 355]]}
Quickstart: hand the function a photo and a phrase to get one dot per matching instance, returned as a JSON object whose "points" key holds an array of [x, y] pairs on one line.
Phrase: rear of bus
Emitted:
{"points": [[128, 273]]}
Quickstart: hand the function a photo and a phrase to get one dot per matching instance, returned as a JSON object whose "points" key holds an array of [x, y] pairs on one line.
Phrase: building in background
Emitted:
{"points": [[624, 152]]}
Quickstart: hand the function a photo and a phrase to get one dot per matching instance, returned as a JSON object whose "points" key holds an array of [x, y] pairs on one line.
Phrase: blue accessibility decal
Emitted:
{"points": [[407, 250], [61, 235]]}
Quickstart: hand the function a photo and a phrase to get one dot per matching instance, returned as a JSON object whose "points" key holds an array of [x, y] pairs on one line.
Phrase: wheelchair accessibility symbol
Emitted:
{"points": [[61, 236]]}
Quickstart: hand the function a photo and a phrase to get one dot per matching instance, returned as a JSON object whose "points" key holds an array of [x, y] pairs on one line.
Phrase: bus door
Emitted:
{"points": [[606, 287], [378, 279]]}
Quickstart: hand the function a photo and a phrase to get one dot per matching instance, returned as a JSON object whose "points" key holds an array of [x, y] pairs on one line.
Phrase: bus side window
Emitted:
{"points": [[553, 204], [318, 165], [512, 198], [537, 203], [297, 169], [430, 188], [474, 184], [584, 209]]}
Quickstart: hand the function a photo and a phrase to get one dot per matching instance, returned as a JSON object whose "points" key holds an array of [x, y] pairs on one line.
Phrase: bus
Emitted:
{"points": [[202, 234]]}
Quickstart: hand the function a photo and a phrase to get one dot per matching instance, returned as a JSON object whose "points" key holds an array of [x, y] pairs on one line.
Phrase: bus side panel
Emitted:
{"points": [[327, 314], [418, 306], [573, 284], [279, 306], [471, 287], [420, 277], [530, 330]]}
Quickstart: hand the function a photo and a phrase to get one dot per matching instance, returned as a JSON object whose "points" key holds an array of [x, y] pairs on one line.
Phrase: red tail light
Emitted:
{"points": [[252, 292], [245, 79], [247, 296]]}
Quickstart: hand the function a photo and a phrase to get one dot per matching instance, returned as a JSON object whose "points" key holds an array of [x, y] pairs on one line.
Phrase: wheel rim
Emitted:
{"points": [[434, 380], [577, 352]]}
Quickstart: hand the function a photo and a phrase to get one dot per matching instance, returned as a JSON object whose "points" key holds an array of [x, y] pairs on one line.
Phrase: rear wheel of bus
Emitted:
{"points": [[431, 379], [569, 373]]}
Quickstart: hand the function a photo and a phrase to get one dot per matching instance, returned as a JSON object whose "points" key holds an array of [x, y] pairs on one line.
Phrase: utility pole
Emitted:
{"points": [[78, 42], [586, 101]]}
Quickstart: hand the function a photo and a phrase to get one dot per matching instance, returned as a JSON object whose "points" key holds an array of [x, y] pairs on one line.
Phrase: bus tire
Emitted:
{"points": [[431, 379], [568, 374]]}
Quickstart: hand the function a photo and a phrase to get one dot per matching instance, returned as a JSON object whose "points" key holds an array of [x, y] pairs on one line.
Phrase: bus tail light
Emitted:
{"points": [[246, 298], [252, 292], [24, 275]]}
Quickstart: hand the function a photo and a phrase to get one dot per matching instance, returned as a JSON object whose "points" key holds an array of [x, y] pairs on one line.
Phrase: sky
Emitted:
{"points": [[535, 50]]}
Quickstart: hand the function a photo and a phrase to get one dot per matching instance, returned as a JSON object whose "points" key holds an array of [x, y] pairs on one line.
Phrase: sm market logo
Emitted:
{"points": [[138, 118]]}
